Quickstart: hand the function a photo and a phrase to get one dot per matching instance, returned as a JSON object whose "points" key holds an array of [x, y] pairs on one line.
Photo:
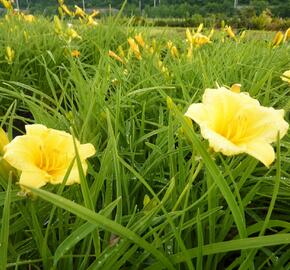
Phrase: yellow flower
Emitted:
{"points": [[140, 40], [172, 48], [28, 18], [287, 35], [66, 10], [230, 32], [277, 39], [57, 25], [10, 55], [134, 48], [200, 39], [72, 34], [7, 4], [235, 123], [44, 155], [91, 21], [286, 76], [79, 12], [116, 57], [75, 53]]}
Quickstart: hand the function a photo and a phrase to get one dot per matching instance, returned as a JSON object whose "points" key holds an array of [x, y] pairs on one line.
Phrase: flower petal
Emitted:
{"points": [[86, 150], [33, 178], [220, 143], [22, 152], [198, 113], [73, 177], [262, 151]]}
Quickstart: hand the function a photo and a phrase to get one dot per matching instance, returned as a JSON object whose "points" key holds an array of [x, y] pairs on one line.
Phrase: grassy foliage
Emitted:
{"points": [[155, 197]]}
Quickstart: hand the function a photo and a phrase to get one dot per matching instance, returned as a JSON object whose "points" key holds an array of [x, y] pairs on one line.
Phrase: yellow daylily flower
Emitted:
{"points": [[66, 10], [286, 76], [91, 21], [57, 25], [230, 32], [116, 57], [94, 13], [43, 155], [75, 53], [28, 18], [287, 35], [235, 123], [134, 48], [10, 55], [7, 4], [172, 48], [72, 34], [200, 39], [140, 40], [277, 39], [79, 12]]}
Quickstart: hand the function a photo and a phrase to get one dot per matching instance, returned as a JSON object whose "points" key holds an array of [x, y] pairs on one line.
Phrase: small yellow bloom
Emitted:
{"points": [[94, 13], [44, 155], [116, 57], [7, 4], [230, 32], [277, 39], [91, 21], [57, 25], [235, 123], [28, 18], [286, 76], [134, 48], [79, 12], [72, 34], [200, 39], [236, 88], [140, 40], [172, 48], [66, 10], [75, 53], [10, 55], [287, 35]]}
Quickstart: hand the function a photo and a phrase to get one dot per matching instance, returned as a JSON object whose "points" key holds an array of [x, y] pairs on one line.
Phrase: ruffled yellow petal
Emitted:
{"points": [[34, 178], [198, 113], [86, 150], [22, 152], [220, 143], [73, 177], [262, 151]]}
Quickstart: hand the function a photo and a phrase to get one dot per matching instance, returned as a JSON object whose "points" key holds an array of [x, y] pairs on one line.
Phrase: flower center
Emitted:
{"points": [[51, 160], [236, 128]]}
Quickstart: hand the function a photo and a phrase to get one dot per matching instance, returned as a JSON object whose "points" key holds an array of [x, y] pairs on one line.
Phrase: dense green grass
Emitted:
{"points": [[206, 211]]}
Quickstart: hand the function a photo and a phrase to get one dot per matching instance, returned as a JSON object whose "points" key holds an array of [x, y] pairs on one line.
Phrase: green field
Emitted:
{"points": [[155, 196]]}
